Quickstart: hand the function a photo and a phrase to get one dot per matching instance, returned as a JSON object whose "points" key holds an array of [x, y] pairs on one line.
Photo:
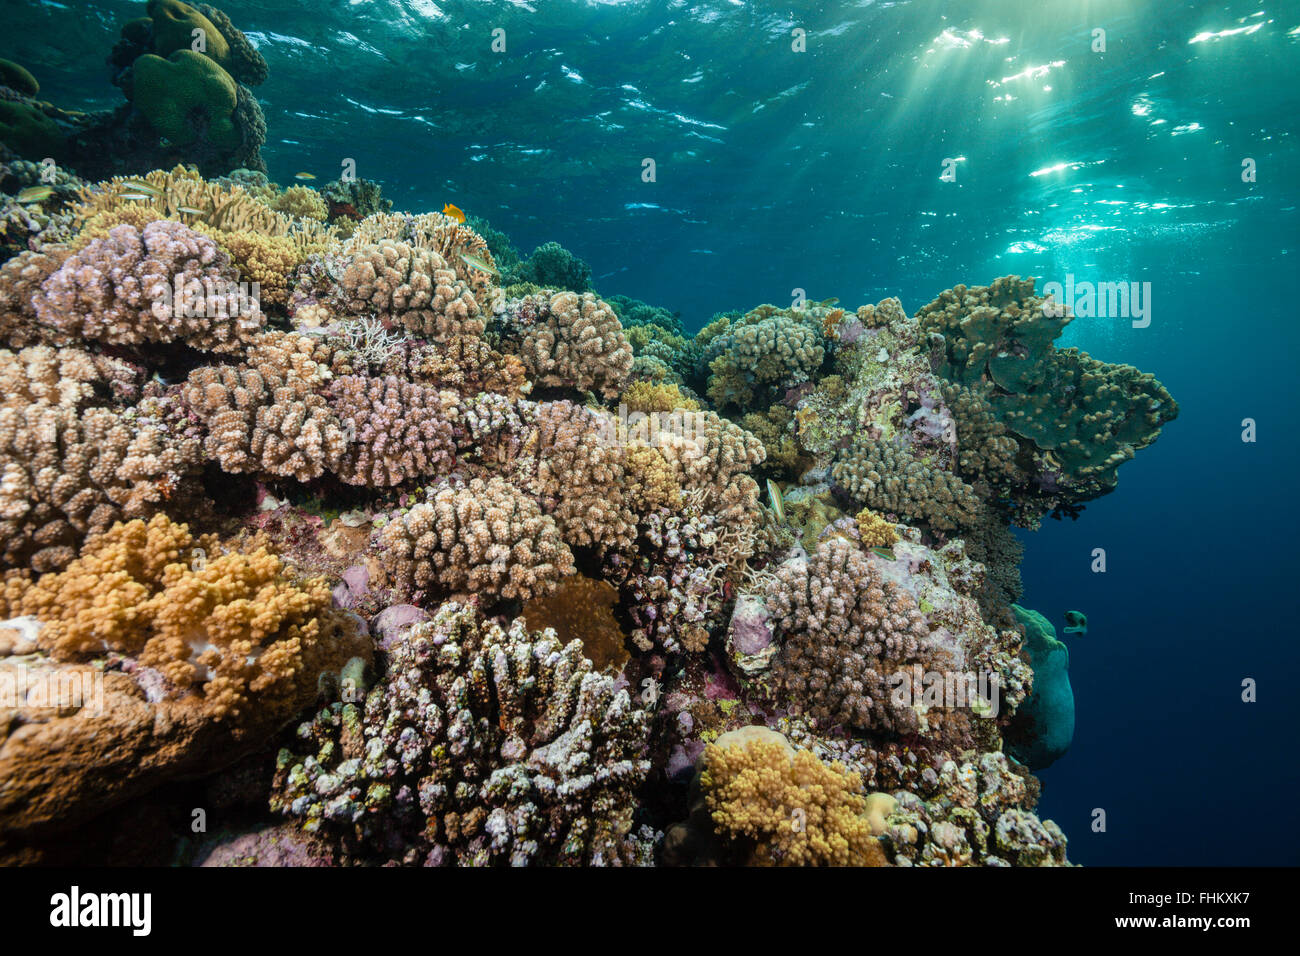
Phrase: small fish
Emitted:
{"points": [[140, 186], [454, 213], [778, 506], [35, 194], [191, 211], [140, 196], [1076, 622], [477, 262], [303, 176], [884, 553]]}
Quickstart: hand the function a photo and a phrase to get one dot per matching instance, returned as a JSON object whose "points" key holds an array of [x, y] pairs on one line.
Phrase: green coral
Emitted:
{"points": [[28, 131], [17, 78], [174, 24], [185, 94]]}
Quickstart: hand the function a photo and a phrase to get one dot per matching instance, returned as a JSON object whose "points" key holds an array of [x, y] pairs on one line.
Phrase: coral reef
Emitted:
{"points": [[495, 545]]}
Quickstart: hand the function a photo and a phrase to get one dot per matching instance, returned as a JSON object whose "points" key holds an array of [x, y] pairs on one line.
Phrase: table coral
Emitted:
{"points": [[480, 745]]}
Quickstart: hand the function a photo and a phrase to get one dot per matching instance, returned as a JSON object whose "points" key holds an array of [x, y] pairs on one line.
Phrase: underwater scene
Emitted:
{"points": [[663, 434]]}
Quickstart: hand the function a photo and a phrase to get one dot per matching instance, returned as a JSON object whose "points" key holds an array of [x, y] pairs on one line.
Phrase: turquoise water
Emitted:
{"points": [[778, 170]]}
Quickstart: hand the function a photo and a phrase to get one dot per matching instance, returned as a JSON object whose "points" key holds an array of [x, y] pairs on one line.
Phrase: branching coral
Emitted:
{"points": [[764, 349], [485, 537], [575, 341], [411, 287], [162, 283], [301, 202], [845, 632], [266, 419], [480, 746], [399, 430], [462, 249], [68, 473], [793, 809], [234, 627], [580, 468], [874, 531], [887, 477], [20, 279], [650, 397]]}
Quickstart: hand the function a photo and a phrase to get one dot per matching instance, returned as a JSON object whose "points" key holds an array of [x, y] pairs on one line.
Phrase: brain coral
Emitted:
{"points": [[161, 283], [486, 537], [479, 746]]}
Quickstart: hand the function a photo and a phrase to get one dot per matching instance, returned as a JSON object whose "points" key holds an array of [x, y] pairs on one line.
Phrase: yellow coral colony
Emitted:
{"points": [[796, 809]]}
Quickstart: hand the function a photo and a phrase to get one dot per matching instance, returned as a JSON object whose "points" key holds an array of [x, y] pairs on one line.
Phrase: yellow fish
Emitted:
{"points": [[303, 176], [454, 212]]}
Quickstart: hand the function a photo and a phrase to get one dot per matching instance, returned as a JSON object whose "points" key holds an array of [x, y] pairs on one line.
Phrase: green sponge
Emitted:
{"points": [[172, 93]]}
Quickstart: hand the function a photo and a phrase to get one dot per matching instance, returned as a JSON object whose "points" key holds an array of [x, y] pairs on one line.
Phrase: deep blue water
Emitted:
{"points": [[821, 170]]}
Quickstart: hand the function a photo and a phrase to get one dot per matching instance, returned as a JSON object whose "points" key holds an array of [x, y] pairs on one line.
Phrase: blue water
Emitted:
{"points": [[820, 170]]}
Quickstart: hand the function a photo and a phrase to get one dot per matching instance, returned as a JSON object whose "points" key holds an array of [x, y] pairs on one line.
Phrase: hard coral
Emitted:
{"points": [[161, 283], [791, 807], [485, 537], [576, 341], [235, 627], [479, 746], [845, 632]]}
